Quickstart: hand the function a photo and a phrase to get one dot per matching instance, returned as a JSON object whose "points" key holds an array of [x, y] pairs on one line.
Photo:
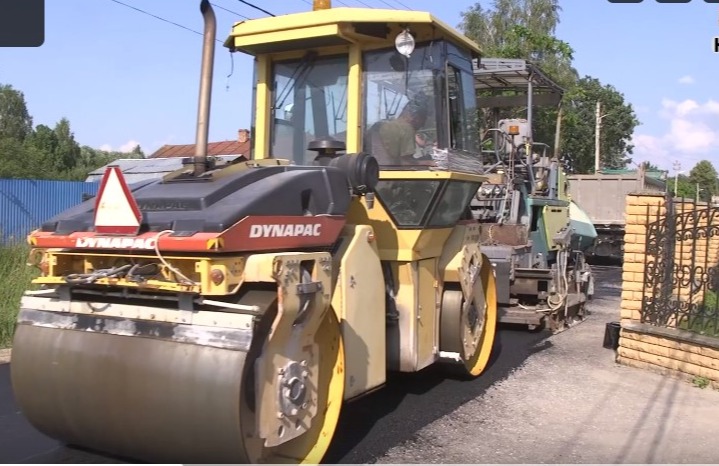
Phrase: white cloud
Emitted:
{"points": [[692, 134], [127, 147], [686, 80]]}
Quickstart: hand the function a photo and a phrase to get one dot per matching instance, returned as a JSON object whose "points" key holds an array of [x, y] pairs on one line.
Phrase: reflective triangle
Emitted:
{"points": [[116, 211]]}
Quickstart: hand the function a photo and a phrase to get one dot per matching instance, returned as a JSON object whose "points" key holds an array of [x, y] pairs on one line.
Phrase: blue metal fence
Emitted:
{"points": [[25, 204]]}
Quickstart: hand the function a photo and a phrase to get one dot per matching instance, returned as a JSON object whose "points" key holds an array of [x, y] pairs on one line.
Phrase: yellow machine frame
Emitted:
{"points": [[426, 261]]}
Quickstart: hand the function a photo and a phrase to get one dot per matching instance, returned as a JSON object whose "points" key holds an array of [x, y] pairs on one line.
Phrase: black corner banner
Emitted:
{"points": [[22, 23]]}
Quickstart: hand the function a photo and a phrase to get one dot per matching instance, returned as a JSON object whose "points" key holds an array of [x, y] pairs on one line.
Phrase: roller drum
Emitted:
{"points": [[154, 399]]}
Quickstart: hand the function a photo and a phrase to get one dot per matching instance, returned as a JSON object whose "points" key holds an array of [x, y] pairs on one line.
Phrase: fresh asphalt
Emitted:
{"points": [[368, 428]]}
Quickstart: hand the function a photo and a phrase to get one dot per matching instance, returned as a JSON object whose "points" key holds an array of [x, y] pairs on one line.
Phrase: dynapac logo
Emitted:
{"points": [[116, 243], [285, 231]]}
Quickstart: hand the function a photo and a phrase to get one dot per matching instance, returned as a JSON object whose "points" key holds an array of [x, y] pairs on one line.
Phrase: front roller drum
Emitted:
{"points": [[467, 330], [154, 398]]}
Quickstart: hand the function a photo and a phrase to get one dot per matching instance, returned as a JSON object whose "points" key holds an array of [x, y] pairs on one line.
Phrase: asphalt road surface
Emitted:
{"points": [[368, 426]]}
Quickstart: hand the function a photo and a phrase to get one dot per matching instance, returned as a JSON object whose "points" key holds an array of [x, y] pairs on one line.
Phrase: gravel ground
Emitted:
{"points": [[571, 403]]}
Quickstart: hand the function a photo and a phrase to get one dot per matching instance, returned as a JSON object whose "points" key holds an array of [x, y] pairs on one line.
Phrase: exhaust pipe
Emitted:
{"points": [[203, 110]]}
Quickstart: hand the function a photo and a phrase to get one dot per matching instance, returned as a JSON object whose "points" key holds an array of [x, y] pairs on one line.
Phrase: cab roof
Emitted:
{"points": [[338, 26]]}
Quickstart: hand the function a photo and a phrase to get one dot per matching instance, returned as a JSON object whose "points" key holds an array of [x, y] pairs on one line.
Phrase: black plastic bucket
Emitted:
{"points": [[611, 335]]}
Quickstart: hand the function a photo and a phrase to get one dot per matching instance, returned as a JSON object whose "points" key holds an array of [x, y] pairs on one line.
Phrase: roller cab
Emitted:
{"points": [[224, 313]]}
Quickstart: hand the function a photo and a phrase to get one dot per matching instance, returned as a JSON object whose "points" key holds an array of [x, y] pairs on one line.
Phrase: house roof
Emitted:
{"points": [[135, 170], [214, 149]]}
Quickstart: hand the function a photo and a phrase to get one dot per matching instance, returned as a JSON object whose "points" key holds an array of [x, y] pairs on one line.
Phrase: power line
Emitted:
{"points": [[402, 4], [255, 7], [160, 18], [363, 3], [229, 11], [177, 24], [389, 5]]}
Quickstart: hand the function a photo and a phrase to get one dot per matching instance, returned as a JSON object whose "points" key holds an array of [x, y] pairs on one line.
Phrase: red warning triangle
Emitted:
{"points": [[116, 211]]}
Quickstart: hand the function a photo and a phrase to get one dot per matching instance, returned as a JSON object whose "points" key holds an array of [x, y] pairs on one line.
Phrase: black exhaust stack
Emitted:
{"points": [[203, 110]]}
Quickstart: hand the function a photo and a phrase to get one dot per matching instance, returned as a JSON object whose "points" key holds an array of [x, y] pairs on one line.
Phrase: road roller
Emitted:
{"points": [[225, 312]]}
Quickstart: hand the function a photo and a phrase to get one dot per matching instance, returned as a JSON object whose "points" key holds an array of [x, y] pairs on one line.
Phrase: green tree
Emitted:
{"points": [[683, 186], [512, 26], [136, 153], [649, 167], [67, 153], [12, 154], [523, 29], [23, 160], [15, 120], [44, 138], [704, 176], [44, 152], [578, 126]]}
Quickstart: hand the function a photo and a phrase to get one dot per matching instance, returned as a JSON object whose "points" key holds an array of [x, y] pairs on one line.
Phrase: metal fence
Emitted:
{"points": [[26, 204], [681, 273]]}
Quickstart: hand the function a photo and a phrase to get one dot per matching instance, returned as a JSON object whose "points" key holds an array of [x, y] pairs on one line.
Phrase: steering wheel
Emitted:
{"points": [[403, 211]]}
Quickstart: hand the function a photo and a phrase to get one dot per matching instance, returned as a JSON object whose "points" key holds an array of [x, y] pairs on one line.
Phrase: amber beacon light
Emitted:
{"points": [[321, 5]]}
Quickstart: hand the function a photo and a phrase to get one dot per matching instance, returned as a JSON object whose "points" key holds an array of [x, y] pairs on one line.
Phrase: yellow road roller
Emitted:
{"points": [[224, 313]]}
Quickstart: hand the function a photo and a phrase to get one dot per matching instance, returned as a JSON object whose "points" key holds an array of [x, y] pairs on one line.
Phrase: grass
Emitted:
{"points": [[701, 382], [15, 278], [704, 324]]}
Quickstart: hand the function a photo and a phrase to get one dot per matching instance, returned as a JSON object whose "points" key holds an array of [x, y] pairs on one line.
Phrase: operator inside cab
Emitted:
{"points": [[399, 141]]}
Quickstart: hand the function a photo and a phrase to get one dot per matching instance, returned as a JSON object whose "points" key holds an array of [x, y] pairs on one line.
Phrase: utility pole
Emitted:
{"points": [[597, 130], [677, 166]]}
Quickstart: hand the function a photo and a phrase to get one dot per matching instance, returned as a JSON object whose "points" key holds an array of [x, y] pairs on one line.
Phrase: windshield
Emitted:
{"points": [[310, 102], [400, 104]]}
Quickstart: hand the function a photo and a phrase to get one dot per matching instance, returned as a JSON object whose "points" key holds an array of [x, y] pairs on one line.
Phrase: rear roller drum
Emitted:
{"points": [[468, 331], [155, 398]]}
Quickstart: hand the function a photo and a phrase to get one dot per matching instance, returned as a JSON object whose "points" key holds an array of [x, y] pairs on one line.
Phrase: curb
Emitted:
{"points": [[5, 356]]}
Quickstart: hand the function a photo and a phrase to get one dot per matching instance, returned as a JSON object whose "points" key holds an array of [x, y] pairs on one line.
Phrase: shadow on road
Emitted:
{"points": [[370, 425]]}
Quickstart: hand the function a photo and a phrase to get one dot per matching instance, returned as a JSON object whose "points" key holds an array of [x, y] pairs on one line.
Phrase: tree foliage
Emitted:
{"points": [[43, 152], [15, 120], [704, 176], [648, 166], [525, 29], [578, 126]]}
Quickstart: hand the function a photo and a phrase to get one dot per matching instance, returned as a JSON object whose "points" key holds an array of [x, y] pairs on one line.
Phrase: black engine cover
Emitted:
{"points": [[214, 204]]}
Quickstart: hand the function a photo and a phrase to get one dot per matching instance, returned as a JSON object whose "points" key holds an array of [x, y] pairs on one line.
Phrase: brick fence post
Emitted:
{"points": [[689, 248], [641, 209]]}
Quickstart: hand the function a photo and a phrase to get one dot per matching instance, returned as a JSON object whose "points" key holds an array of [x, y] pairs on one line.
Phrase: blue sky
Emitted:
{"points": [[122, 77]]}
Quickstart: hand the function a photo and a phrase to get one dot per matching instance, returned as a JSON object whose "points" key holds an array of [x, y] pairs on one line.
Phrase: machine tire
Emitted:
{"points": [[452, 324]]}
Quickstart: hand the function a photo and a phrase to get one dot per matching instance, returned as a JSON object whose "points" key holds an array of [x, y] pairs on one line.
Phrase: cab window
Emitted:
{"points": [[309, 102]]}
